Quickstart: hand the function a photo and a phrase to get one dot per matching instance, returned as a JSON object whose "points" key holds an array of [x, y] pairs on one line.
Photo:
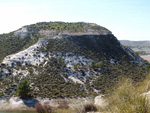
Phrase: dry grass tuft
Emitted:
{"points": [[127, 98]]}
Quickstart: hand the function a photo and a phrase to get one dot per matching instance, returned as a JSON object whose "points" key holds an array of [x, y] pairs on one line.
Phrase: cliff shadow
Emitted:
{"points": [[30, 102]]}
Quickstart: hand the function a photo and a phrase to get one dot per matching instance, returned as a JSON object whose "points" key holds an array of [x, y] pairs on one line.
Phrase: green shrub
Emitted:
{"points": [[60, 60], [23, 89], [137, 54], [30, 71], [92, 64], [75, 66], [99, 64]]}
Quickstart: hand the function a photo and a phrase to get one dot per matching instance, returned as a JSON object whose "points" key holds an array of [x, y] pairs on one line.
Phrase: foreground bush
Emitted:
{"points": [[46, 108], [89, 107]]}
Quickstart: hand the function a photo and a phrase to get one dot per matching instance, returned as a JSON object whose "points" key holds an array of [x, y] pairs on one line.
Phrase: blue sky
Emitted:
{"points": [[127, 19]]}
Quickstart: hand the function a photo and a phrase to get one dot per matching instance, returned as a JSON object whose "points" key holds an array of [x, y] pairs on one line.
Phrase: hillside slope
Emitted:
{"points": [[65, 60]]}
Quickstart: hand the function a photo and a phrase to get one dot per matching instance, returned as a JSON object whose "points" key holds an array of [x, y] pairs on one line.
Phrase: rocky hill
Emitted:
{"points": [[65, 60]]}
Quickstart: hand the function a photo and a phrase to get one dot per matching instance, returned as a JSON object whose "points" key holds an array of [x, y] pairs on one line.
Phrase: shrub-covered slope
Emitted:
{"points": [[66, 60]]}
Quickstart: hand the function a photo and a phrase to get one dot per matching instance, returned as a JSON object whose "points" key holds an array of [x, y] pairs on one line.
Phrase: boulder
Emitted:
{"points": [[100, 101]]}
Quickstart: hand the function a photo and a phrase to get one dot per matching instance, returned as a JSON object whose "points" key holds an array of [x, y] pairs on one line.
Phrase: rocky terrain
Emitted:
{"points": [[64, 60]]}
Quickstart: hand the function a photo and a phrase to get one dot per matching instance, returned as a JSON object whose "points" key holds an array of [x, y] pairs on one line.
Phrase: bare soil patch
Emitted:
{"points": [[146, 57]]}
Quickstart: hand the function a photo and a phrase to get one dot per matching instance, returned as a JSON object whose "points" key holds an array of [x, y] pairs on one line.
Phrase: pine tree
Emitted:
{"points": [[23, 89]]}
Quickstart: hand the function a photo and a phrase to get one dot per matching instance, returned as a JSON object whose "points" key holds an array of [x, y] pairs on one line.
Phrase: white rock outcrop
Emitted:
{"points": [[100, 101], [17, 104]]}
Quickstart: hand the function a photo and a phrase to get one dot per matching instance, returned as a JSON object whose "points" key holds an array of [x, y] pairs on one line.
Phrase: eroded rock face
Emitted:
{"points": [[30, 55], [22, 32], [50, 33], [147, 94]]}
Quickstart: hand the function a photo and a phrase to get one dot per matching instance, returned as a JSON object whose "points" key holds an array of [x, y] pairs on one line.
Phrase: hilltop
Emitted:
{"points": [[29, 35]]}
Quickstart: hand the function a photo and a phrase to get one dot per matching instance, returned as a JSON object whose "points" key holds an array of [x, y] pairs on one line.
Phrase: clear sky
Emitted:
{"points": [[127, 19]]}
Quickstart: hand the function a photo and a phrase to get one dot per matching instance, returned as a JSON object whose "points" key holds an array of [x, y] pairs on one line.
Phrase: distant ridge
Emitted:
{"points": [[135, 43]]}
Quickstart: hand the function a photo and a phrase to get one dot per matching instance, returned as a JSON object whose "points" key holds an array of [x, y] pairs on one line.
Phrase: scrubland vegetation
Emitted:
{"points": [[126, 97], [107, 68], [62, 26]]}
